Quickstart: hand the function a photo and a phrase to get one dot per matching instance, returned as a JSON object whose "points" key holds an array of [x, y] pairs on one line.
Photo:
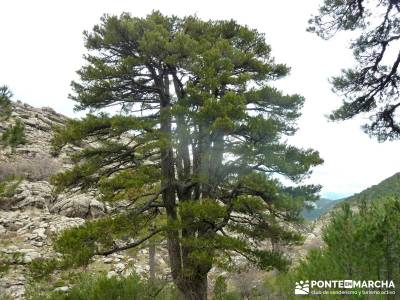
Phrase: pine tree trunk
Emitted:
{"points": [[191, 288], [152, 262], [168, 177], [194, 289]]}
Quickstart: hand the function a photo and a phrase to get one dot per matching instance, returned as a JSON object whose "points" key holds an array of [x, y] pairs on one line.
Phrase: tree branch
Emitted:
{"points": [[130, 245]]}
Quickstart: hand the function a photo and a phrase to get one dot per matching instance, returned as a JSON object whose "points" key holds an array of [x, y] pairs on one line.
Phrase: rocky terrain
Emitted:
{"points": [[34, 213]]}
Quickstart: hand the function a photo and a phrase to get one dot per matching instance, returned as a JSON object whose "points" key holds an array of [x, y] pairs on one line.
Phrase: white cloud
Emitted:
{"points": [[42, 47]]}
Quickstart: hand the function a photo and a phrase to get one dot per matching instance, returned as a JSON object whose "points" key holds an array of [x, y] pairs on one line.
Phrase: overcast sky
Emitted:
{"points": [[42, 47]]}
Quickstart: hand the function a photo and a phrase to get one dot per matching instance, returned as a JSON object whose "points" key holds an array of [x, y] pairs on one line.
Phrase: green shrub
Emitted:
{"points": [[361, 244], [8, 186], [5, 297], [7, 260], [234, 295], [5, 102], [4, 268], [220, 288], [14, 135], [103, 288], [40, 268]]}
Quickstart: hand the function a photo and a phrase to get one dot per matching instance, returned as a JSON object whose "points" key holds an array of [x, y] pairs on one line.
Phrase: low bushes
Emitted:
{"points": [[8, 186], [14, 135], [103, 288]]}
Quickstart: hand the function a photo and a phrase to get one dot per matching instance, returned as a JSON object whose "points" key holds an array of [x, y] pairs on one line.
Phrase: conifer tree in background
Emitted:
{"points": [[362, 243], [193, 148], [372, 86], [5, 102], [13, 135]]}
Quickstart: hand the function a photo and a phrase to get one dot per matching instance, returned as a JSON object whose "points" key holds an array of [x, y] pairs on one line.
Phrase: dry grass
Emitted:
{"points": [[35, 169]]}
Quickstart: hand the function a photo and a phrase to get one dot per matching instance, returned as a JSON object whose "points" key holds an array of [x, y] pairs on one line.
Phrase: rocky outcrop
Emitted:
{"points": [[33, 161], [78, 205], [32, 194], [25, 236], [40, 194], [39, 123], [34, 213]]}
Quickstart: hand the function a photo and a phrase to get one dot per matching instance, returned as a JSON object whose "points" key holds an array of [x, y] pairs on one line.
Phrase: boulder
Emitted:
{"points": [[78, 205], [31, 194]]}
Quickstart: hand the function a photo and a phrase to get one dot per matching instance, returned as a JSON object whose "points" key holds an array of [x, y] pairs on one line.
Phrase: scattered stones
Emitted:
{"points": [[14, 287], [32, 255], [107, 260], [37, 244], [119, 268], [38, 234], [31, 241], [35, 212], [62, 289], [111, 274]]}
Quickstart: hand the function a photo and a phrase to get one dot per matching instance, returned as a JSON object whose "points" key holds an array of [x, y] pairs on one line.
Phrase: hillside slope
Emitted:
{"points": [[390, 187]]}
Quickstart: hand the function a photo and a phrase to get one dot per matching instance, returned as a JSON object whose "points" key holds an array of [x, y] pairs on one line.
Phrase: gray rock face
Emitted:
{"points": [[24, 237], [32, 194], [78, 205], [40, 194], [34, 212], [33, 161], [39, 123]]}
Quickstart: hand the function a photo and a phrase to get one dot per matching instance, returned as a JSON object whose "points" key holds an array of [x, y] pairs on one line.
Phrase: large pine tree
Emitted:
{"points": [[193, 146]]}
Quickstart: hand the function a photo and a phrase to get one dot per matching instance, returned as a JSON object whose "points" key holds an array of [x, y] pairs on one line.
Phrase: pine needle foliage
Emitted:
{"points": [[102, 288], [14, 135], [360, 244], [370, 87], [5, 102]]}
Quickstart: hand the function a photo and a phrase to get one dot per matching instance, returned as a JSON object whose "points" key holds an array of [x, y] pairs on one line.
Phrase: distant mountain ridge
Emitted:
{"points": [[321, 207]]}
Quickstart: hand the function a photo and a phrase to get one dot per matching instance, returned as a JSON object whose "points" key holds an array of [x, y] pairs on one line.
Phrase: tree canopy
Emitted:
{"points": [[193, 149], [372, 86]]}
